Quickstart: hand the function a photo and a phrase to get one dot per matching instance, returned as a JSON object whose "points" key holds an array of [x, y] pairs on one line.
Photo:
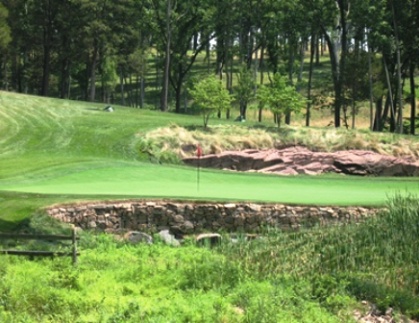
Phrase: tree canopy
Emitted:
{"points": [[210, 96], [105, 51]]}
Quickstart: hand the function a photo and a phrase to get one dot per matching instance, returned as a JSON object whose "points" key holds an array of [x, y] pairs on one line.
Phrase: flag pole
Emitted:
{"points": [[198, 154]]}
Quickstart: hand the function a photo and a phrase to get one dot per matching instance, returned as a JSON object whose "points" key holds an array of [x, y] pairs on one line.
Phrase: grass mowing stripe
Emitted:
{"points": [[72, 147], [148, 180]]}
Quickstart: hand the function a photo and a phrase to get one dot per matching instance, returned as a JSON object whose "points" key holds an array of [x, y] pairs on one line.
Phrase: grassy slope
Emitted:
{"points": [[78, 152], [71, 148]]}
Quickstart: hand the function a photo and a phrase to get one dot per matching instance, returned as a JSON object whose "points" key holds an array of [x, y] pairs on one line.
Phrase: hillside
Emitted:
{"points": [[54, 151], [75, 150]]}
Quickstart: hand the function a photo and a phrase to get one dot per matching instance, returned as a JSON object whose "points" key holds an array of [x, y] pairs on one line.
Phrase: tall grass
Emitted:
{"points": [[179, 141], [378, 259], [305, 276]]}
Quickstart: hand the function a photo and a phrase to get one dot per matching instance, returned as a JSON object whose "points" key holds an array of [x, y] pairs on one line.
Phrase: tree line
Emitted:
{"points": [[95, 49]]}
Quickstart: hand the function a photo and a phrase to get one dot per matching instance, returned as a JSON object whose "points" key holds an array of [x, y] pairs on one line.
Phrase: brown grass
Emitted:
{"points": [[216, 139]]}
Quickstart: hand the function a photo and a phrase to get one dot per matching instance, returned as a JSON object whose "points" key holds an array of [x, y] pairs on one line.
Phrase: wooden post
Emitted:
{"points": [[73, 236]]}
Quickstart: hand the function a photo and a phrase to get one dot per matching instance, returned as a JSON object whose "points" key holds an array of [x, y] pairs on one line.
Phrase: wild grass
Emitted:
{"points": [[179, 142], [316, 275]]}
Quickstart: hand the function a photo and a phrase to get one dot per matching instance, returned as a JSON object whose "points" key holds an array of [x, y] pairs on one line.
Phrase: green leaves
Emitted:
{"points": [[209, 96], [280, 97]]}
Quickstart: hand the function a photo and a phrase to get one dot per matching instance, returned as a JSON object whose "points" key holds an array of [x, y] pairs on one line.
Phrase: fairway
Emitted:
{"points": [[158, 181], [73, 148]]}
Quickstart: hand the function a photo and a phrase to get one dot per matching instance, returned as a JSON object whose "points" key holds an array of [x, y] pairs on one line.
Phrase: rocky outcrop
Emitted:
{"points": [[190, 218], [300, 160]]}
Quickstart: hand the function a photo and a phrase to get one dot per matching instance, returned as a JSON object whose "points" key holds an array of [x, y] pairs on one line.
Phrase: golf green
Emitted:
{"points": [[158, 181]]}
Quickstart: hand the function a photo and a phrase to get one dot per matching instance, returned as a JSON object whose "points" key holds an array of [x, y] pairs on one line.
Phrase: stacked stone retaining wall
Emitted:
{"points": [[194, 217]]}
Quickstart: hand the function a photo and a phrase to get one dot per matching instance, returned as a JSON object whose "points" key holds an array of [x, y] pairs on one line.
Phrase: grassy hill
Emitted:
{"points": [[55, 151], [74, 150]]}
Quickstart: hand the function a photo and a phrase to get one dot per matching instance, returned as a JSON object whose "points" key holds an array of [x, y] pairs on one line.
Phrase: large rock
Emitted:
{"points": [[138, 237], [300, 160], [168, 238]]}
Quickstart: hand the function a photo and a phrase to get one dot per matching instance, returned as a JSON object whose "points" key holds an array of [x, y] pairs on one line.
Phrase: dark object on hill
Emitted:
{"points": [[300, 160], [108, 109], [208, 239]]}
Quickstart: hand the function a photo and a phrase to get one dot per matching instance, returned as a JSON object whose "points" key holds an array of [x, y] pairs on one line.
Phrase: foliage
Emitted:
{"points": [[245, 89], [317, 275], [281, 98], [210, 96]]}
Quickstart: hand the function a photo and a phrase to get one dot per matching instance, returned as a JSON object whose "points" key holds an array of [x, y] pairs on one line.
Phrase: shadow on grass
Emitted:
{"points": [[8, 226], [42, 223]]}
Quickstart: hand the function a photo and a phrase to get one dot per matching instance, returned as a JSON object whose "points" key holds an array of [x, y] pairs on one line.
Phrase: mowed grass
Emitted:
{"points": [[73, 149], [128, 179]]}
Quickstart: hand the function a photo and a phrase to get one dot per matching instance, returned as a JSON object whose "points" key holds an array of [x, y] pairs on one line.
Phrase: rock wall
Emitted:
{"points": [[188, 218]]}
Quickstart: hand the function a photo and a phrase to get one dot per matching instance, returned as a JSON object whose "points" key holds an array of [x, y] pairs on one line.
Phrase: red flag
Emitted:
{"points": [[198, 151]]}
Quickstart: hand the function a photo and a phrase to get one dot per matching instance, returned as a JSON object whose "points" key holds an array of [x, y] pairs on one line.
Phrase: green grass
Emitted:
{"points": [[317, 275], [54, 151], [70, 149], [128, 179], [117, 282]]}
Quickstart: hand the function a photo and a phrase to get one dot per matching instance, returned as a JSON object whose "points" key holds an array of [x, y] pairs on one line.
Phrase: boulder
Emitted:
{"points": [[138, 237], [300, 160], [168, 238]]}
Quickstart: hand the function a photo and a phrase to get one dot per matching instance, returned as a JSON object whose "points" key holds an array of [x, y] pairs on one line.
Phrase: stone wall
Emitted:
{"points": [[188, 218]]}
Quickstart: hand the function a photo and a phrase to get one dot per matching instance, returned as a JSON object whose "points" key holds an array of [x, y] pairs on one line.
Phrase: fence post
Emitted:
{"points": [[74, 256]]}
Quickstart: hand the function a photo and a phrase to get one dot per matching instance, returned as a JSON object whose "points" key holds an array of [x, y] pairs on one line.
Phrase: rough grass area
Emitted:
{"points": [[318, 275], [169, 143]]}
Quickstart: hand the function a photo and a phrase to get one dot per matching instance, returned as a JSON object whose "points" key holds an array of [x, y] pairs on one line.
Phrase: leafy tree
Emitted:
{"points": [[210, 96], [175, 24], [244, 89], [280, 98]]}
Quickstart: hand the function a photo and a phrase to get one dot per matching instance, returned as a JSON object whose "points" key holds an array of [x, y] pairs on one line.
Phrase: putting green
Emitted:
{"points": [[149, 180], [73, 148]]}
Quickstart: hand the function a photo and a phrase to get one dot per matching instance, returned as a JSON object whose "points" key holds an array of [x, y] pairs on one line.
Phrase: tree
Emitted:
{"points": [[210, 96], [176, 23], [244, 89], [280, 98]]}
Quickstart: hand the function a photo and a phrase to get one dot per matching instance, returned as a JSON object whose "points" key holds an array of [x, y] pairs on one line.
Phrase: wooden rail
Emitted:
{"points": [[40, 253]]}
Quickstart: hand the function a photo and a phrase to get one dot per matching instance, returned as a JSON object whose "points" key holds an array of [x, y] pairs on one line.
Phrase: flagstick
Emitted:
{"points": [[198, 169]]}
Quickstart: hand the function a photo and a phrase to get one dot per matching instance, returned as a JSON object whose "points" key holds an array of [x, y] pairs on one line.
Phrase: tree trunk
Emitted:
{"points": [[95, 59], [310, 77], [46, 66], [399, 122], [378, 126], [338, 63], [389, 98], [412, 99], [319, 47], [165, 88], [121, 85], [47, 40], [65, 78], [178, 94], [128, 90], [370, 84], [337, 81], [262, 63]]}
